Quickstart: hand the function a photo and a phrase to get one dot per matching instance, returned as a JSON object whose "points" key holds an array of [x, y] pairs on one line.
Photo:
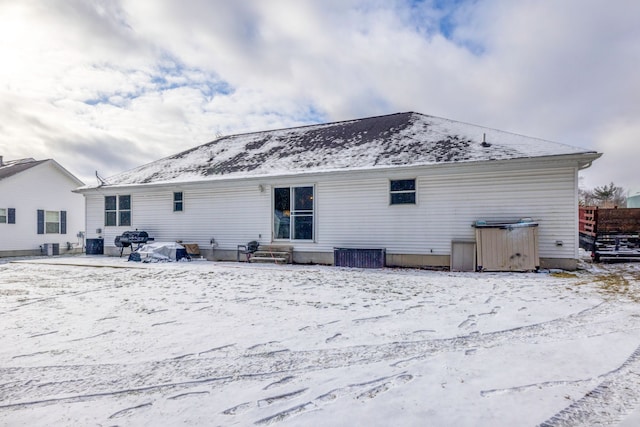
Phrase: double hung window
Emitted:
{"points": [[7, 216], [177, 201], [402, 192], [117, 210], [51, 222]]}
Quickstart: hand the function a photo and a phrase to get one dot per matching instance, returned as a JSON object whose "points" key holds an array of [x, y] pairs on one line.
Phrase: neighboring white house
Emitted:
{"points": [[633, 200], [39, 212], [406, 182]]}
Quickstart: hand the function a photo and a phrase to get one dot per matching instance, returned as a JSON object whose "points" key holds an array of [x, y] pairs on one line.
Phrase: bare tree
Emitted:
{"points": [[605, 196], [586, 197]]}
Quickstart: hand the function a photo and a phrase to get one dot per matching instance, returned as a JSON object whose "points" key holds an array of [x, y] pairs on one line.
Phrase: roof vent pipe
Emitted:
{"points": [[484, 140]]}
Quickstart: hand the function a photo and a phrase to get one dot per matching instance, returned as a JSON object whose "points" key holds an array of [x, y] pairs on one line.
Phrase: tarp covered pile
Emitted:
{"points": [[160, 252]]}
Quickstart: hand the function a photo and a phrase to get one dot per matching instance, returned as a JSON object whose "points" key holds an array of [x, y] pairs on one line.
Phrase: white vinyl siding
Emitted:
{"points": [[94, 214], [546, 196], [42, 187], [449, 202], [364, 218], [230, 214], [352, 209]]}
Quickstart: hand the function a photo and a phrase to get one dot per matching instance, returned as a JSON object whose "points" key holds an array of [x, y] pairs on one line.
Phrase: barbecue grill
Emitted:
{"points": [[130, 238]]}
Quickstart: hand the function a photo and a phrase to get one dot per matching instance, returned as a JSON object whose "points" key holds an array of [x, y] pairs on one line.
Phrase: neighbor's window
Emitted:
{"points": [[403, 192], [52, 222], [117, 210], [177, 201], [293, 213], [7, 216], [48, 222]]}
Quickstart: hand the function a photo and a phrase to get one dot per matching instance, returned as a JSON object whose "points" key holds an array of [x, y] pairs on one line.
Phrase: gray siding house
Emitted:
{"points": [[407, 182]]}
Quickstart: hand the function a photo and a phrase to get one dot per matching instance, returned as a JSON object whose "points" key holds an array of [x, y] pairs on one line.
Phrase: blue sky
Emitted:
{"points": [[109, 85]]}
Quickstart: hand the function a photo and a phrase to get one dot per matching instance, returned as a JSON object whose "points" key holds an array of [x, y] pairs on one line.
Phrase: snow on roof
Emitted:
{"points": [[402, 139], [13, 167]]}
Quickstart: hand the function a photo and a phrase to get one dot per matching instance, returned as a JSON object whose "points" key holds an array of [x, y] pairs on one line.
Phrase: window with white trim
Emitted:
{"points": [[402, 192], [7, 216], [52, 222], [49, 222], [293, 213], [117, 210], [178, 202]]}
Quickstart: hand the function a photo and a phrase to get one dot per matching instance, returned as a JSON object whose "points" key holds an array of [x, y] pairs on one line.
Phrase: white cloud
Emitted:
{"points": [[124, 83], [618, 140]]}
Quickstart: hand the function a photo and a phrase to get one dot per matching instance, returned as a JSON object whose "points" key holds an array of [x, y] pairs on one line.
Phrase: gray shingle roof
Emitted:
{"points": [[401, 139], [14, 167]]}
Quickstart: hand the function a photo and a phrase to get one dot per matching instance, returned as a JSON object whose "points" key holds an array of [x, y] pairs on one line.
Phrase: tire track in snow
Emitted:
{"points": [[614, 398], [95, 381]]}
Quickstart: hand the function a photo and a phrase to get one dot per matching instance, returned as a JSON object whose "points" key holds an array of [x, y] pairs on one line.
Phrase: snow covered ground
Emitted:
{"points": [[99, 341]]}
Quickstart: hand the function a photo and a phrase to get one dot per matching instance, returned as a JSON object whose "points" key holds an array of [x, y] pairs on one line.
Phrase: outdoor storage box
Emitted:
{"points": [[507, 245]]}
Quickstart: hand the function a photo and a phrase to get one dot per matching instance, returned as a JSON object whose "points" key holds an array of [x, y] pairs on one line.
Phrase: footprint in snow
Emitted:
{"points": [[333, 338], [238, 409], [278, 383], [387, 385], [424, 331], [279, 398], [128, 411], [469, 322], [189, 394], [381, 386], [262, 346]]}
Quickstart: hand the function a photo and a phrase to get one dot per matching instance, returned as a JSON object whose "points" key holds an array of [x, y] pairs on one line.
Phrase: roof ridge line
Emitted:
{"points": [[311, 125]]}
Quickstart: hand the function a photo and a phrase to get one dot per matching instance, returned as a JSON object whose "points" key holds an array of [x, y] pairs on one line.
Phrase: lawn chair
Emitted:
{"points": [[247, 250]]}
